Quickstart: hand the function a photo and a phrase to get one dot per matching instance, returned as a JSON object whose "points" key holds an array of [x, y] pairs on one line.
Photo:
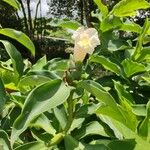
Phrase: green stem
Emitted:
{"points": [[59, 137], [70, 112], [56, 139]]}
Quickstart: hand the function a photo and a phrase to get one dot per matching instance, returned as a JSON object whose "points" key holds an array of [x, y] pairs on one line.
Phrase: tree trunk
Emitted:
{"points": [[87, 12], [24, 17], [30, 19], [36, 13]]}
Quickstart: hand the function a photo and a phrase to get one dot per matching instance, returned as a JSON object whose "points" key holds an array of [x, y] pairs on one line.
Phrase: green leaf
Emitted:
{"points": [[147, 79], [144, 54], [131, 68], [4, 141], [46, 73], [86, 110], [110, 22], [126, 132], [126, 101], [128, 7], [13, 3], [65, 23], [102, 7], [15, 56], [41, 99], [72, 144], [99, 92], [96, 147], [93, 128], [39, 64], [57, 64], [144, 126], [139, 43], [32, 146], [139, 109], [43, 122], [130, 27], [106, 63], [29, 82], [109, 106], [41, 136], [20, 37], [123, 94], [124, 144], [2, 96], [61, 116]]}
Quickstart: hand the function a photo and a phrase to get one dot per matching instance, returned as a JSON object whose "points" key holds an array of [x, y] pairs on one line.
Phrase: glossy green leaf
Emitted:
{"points": [[92, 128], [144, 54], [131, 68], [41, 99], [96, 147], [2, 96], [39, 64], [109, 106], [106, 63], [123, 94], [13, 3], [110, 22], [123, 144], [86, 110], [139, 43], [61, 116], [4, 141], [46, 73], [32, 146], [130, 27], [43, 122], [57, 64], [20, 37], [139, 109], [126, 100], [144, 126], [15, 56], [65, 23], [41, 136], [77, 123], [129, 7], [102, 7], [126, 132], [72, 144], [147, 79], [29, 82]]}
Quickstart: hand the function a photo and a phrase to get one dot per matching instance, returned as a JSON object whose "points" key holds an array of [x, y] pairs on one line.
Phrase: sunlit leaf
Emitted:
{"points": [[13, 3], [2, 96], [41, 99], [130, 67], [102, 7], [16, 58], [129, 7], [20, 37], [32, 146], [106, 63], [4, 141]]}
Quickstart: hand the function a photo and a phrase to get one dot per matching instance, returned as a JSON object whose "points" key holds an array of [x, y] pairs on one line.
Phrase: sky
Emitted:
{"points": [[33, 8]]}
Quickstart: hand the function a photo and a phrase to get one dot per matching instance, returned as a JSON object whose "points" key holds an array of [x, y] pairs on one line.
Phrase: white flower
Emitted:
{"points": [[85, 42]]}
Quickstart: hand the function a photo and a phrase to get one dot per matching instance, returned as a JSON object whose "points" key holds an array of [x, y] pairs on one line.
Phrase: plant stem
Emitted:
{"points": [[56, 139], [59, 137], [70, 112]]}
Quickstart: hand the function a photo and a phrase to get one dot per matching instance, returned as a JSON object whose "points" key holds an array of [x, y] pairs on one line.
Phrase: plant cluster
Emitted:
{"points": [[80, 103]]}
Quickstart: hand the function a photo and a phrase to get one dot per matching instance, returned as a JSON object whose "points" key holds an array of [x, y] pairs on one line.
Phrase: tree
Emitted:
{"points": [[9, 17]]}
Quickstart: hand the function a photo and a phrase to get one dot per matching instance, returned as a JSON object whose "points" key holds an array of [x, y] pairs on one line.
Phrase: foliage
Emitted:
{"points": [[63, 104]]}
